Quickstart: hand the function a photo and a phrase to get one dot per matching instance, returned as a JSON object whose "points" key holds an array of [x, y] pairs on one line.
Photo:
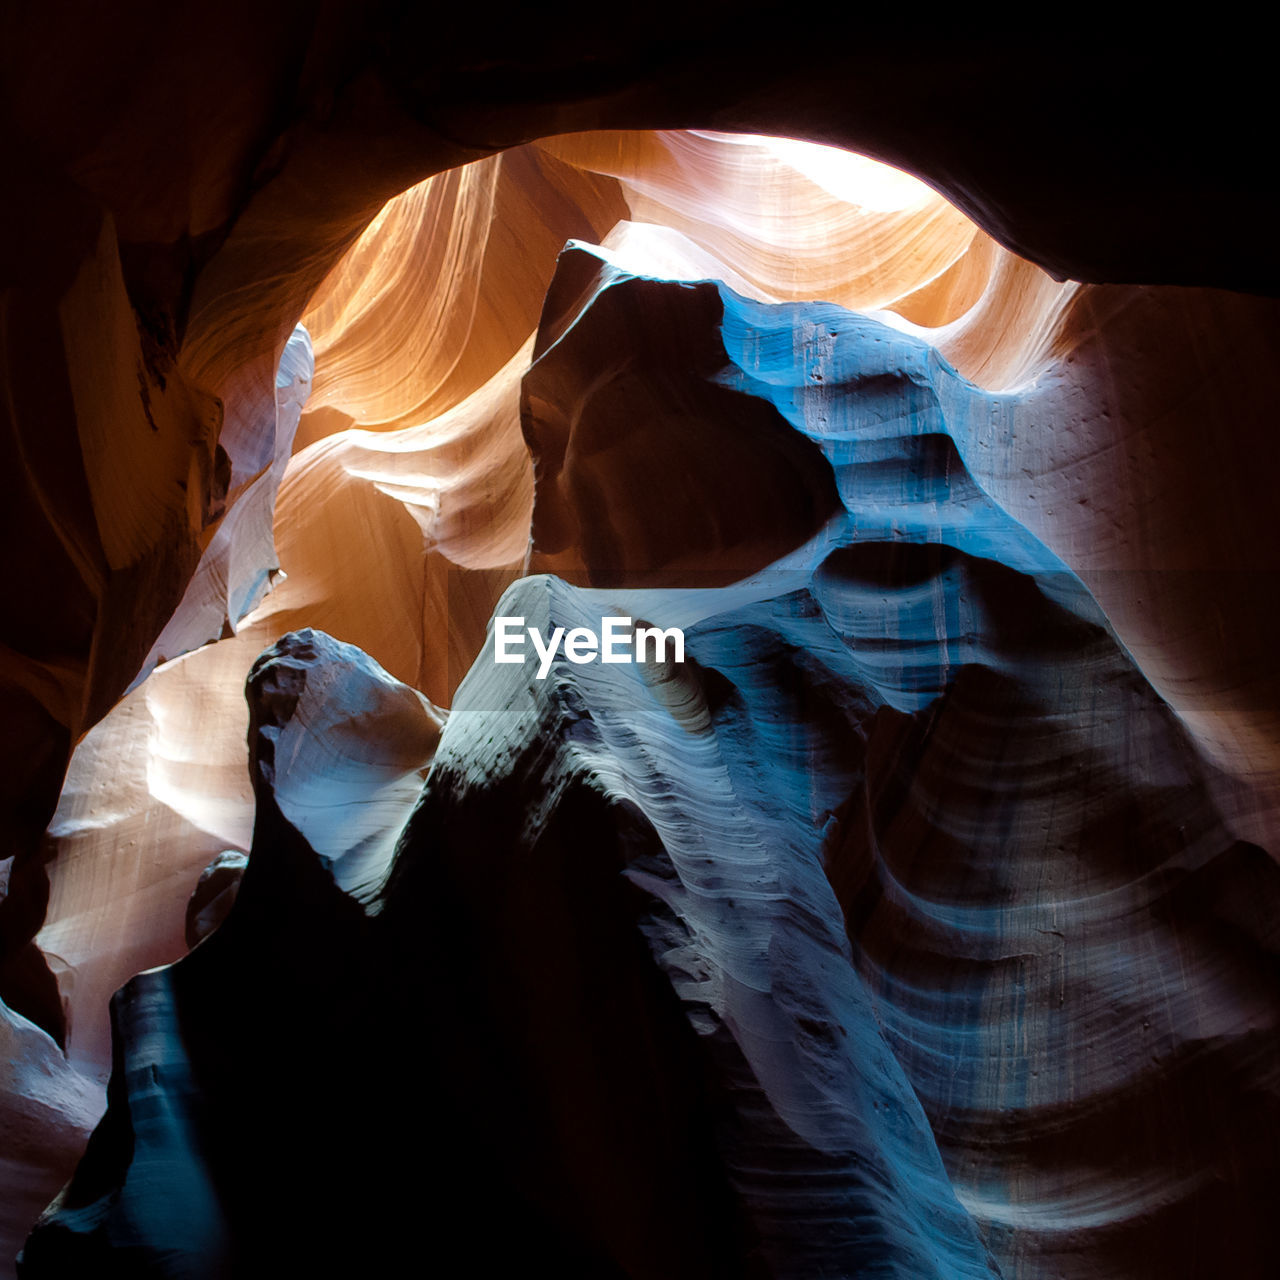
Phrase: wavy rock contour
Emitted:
{"points": [[805, 953]]}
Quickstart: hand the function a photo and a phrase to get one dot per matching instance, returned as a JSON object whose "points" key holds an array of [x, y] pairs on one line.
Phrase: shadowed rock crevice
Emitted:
{"points": [[894, 930], [898, 930]]}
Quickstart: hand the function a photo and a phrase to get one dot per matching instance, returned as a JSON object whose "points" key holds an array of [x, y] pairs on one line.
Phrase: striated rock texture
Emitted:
{"points": [[401, 539], [237, 566], [446, 284], [183, 190], [974, 871], [47, 1111], [178, 1150], [183, 196], [898, 931], [215, 892]]}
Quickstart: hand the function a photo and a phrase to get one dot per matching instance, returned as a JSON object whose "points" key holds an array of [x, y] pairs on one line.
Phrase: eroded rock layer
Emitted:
{"points": [[896, 931], [185, 186], [401, 538]]}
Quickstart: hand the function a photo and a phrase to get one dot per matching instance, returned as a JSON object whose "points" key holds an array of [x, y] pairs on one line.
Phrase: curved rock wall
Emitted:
{"points": [[185, 195], [896, 929], [397, 539]]}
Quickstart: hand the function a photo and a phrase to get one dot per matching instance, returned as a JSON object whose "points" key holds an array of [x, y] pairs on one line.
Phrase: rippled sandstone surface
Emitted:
{"points": [[184, 192], [810, 951], [400, 539]]}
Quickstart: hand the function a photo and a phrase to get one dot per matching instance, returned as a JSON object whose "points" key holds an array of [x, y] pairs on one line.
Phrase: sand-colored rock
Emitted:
{"points": [[398, 540], [182, 190], [446, 284], [47, 1110], [226, 209], [900, 926]]}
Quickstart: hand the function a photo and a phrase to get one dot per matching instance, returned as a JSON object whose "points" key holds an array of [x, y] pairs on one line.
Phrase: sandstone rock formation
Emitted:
{"points": [[215, 893], [401, 539], [164, 248], [47, 1110], [186, 191], [811, 953]]}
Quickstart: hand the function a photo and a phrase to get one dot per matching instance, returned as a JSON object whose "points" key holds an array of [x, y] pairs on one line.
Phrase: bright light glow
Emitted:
{"points": [[854, 179]]}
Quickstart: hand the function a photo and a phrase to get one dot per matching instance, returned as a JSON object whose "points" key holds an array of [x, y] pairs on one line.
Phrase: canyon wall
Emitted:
{"points": [[1017, 816]]}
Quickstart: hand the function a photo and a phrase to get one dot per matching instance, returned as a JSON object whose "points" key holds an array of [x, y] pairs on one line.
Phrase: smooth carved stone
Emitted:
{"points": [[160, 252], [446, 284], [215, 892], [401, 540], [792, 221], [1015, 918], [635, 404], [343, 748], [398, 542], [112, 473], [895, 930], [347, 769], [396, 538], [1119, 375], [646, 812], [606, 1091], [47, 1110], [236, 568], [179, 198]]}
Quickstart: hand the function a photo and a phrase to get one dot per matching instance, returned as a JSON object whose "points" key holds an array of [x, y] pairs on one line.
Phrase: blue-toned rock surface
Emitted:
{"points": [[894, 933]]}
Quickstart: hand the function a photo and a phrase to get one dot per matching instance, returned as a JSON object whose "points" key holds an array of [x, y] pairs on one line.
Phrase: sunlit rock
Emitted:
{"points": [[343, 748], [897, 927], [181, 192]]}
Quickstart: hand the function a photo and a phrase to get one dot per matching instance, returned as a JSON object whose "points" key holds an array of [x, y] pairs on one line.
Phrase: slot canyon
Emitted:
{"points": [[922, 922]]}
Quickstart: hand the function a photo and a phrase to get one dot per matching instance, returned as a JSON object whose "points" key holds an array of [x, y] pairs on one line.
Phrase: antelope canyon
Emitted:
{"points": [[637, 646]]}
